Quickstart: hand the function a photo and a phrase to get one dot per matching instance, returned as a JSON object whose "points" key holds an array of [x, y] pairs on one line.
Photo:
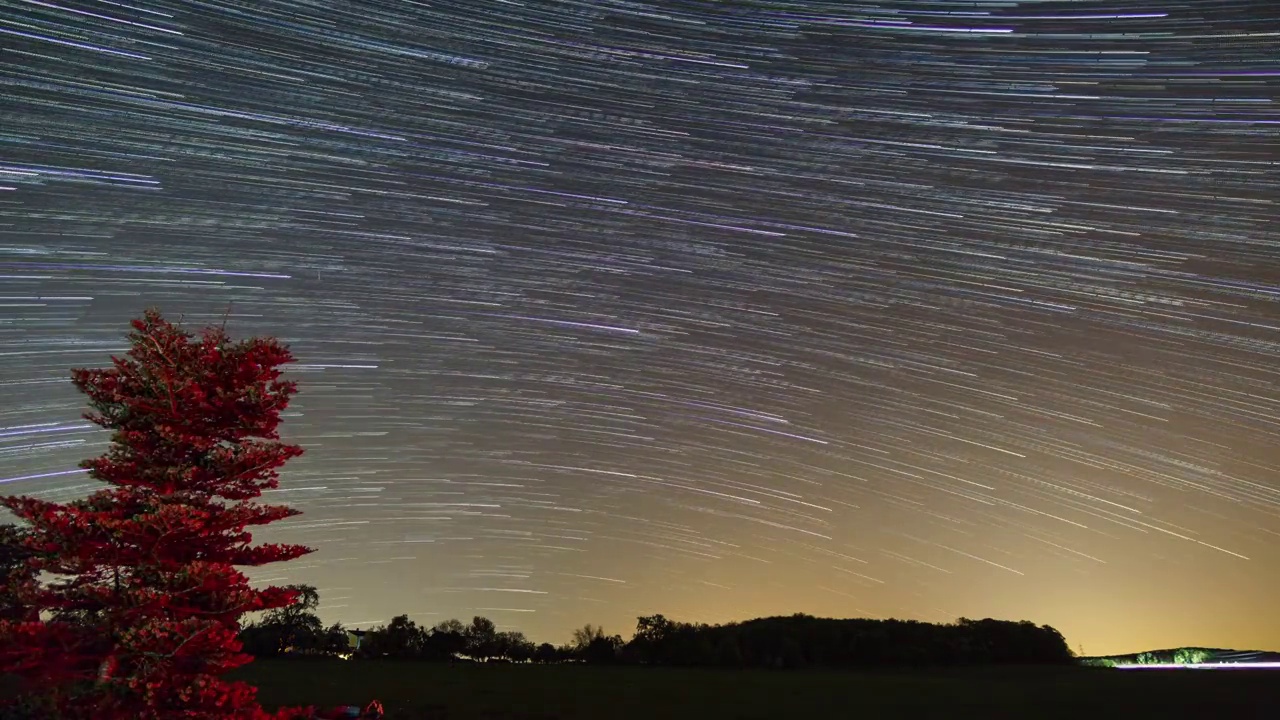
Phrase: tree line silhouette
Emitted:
{"points": [[796, 641]]}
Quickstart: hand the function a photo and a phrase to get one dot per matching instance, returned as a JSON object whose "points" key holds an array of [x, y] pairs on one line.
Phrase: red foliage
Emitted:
{"points": [[142, 613]]}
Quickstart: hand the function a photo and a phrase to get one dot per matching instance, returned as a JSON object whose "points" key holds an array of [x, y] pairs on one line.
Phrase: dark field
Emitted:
{"points": [[423, 691]]}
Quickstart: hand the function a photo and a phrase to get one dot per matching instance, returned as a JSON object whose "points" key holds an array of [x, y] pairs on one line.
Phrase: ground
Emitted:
{"points": [[422, 691]]}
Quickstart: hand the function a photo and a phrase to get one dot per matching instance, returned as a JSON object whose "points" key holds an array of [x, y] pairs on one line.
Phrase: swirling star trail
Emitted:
{"points": [[718, 310]]}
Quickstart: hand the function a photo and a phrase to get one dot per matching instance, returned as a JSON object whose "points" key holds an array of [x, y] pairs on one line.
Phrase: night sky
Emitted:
{"points": [[709, 309]]}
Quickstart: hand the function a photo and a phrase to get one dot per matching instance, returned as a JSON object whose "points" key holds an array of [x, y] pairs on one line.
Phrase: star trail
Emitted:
{"points": [[709, 309]]}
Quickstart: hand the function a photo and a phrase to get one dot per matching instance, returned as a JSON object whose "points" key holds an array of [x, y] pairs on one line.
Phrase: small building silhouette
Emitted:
{"points": [[357, 637]]}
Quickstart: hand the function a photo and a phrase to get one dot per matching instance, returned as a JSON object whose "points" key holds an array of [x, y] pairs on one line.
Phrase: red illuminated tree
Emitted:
{"points": [[140, 614]]}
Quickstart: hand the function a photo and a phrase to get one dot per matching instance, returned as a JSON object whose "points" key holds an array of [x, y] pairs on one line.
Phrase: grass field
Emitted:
{"points": [[420, 691]]}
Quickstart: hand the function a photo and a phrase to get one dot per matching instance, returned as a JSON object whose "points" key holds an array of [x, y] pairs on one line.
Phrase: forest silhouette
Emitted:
{"points": [[795, 641]]}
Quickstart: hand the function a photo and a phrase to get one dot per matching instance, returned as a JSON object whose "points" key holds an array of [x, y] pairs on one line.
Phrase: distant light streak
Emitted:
{"points": [[568, 323], [1200, 666], [108, 18], [42, 475], [30, 429], [765, 430], [68, 43]]}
